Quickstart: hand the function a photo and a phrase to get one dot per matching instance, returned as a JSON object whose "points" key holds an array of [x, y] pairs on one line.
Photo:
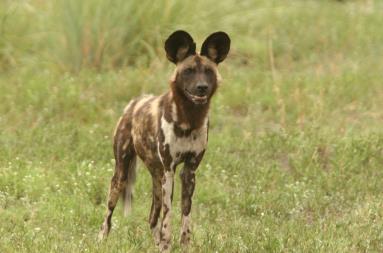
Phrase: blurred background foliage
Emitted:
{"points": [[107, 34]]}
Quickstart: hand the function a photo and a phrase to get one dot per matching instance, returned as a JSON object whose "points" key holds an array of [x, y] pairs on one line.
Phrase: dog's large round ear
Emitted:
{"points": [[216, 46], [178, 46]]}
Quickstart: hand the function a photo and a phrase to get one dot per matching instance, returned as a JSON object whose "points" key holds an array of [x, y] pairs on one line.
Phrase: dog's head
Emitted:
{"points": [[196, 76]]}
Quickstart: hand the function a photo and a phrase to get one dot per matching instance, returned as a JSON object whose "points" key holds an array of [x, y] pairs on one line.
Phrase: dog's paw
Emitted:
{"points": [[164, 246], [156, 232], [103, 234], [185, 239]]}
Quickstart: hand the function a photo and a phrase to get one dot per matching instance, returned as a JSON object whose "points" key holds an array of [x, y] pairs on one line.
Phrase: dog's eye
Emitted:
{"points": [[189, 71], [209, 71]]}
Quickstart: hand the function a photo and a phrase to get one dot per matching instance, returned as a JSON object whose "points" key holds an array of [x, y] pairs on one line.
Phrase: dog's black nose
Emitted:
{"points": [[202, 88]]}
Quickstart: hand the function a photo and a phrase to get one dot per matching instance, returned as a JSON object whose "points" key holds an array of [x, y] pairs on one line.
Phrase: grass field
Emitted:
{"points": [[295, 155]]}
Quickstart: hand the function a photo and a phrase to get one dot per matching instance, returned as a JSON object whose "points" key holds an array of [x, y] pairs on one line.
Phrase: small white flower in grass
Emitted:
{"points": [[37, 229]]}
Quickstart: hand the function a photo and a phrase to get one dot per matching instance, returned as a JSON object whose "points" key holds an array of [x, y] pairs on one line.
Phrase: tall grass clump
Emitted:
{"points": [[98, 34], [107, 34], [16, 36]]}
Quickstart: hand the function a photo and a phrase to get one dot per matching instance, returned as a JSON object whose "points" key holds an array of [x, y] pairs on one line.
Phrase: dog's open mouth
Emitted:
{"points": [[199, 100]]}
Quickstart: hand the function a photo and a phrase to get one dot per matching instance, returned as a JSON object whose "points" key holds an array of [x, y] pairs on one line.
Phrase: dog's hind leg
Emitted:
{"points": [[155, 211], [121, 183]]}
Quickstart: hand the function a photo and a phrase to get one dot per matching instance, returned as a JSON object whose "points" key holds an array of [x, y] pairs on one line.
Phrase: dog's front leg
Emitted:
{"points": [[167, 197], [188, 184]]}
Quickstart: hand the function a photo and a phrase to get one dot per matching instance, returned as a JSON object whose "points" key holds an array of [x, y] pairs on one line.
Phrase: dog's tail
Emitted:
{"points": [[127, 194]]}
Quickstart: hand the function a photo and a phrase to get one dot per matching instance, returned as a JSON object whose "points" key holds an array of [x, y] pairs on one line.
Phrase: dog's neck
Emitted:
{"points": [[187, 114]]}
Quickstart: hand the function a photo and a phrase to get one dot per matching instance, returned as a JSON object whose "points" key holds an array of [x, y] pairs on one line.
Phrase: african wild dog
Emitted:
{"points": [[167, 130]]}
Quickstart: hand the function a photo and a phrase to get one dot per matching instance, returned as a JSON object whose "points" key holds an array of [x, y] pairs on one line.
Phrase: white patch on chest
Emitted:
{"points": [[174, 111], [195, 142]]}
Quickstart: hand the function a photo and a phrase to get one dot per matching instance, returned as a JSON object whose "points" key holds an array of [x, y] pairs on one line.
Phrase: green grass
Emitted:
{"points": [[295, 155]]}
